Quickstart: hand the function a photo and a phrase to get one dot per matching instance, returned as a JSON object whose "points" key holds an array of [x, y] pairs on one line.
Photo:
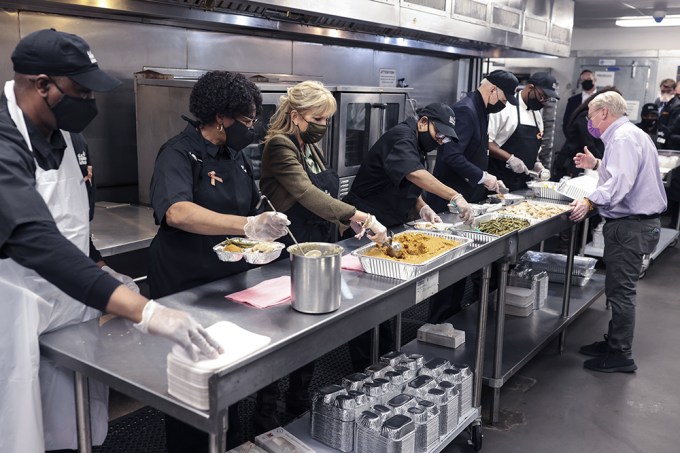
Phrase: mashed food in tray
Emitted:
{"points": [[418, 247], [535, 210]]}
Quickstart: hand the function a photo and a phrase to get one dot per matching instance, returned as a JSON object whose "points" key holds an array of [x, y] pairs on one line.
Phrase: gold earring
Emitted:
{"points": [[220, 127]]}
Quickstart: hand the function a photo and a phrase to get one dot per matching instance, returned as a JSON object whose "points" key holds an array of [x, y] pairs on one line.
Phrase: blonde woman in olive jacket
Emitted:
{"points": [[295, 176]]}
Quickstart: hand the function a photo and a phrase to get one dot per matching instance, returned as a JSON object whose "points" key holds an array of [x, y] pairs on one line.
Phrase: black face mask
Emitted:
{"points": [[425, 141], [314, 132], [495, 108], [534, 104], [649, 123], [587, 85], [239, 136], [73, 114]]}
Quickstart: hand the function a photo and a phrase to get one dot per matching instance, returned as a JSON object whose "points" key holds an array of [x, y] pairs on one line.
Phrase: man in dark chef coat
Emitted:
{"points": [[463, 164], [393, 176], [516, 133], [45, 270], [587, 81]]}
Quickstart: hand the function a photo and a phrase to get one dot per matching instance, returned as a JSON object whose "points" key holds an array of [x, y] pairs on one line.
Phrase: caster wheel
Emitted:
{"points": [[476, 436]]}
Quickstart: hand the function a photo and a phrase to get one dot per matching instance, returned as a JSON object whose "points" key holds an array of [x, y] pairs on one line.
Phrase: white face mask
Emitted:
{"points": [[665, 97]]}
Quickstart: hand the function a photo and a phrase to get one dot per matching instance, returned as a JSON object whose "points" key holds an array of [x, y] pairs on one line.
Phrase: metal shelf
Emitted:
{"points": [[300, 429], [523, 338]]}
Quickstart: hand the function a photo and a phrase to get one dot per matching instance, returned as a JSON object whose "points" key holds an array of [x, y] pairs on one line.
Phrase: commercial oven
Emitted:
{"points": [[364, 114], [161, 102]]}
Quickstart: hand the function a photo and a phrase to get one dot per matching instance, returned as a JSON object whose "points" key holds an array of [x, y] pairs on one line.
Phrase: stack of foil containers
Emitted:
{"points": [[334, 410], [400, 404]]}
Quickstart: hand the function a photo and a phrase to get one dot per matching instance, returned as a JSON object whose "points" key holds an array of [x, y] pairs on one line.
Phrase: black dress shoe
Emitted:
{"points": [[596, 349], [612, 362]]}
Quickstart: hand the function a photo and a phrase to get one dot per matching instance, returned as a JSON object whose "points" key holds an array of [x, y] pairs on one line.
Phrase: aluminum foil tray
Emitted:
{"points": [[404, 271], [460, 227], [369, 441], [555, 263], [547, 190], [335, 433], [250, 257], [575, 280], [578, 187]]}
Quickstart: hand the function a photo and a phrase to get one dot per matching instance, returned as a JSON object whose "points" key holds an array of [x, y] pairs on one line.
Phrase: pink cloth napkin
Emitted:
{"points": [[351, 263], [269, 293]]}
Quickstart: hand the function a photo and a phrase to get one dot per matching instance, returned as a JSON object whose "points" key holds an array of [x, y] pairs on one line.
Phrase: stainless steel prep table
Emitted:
{"points": [[135, 364], [118, 228]]}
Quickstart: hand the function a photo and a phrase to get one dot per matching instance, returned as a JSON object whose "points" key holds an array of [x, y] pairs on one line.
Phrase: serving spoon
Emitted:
{"points": [[309, 253]]}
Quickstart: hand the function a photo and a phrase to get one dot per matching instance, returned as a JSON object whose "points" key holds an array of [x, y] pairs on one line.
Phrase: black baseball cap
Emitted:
{"points": [[647, 108], [546, 82], [507, 82], [56, 53], [443, 118]]}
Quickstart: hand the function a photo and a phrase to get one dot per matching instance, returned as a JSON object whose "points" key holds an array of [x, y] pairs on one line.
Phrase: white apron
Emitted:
{"points": [[32, 306]]}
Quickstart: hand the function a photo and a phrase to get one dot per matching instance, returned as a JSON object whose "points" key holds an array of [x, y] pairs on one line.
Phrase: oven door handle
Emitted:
{"points": [[382, 106]]}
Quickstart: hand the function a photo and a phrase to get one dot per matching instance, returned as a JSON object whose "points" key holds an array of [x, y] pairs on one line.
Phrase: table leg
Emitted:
{"points": [[566, 297], [481, 336], [375, 343], [83, 413], [218, 442], [498, 347]]}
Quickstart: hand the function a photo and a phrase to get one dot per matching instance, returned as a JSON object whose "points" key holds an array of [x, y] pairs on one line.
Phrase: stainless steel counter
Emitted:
{"points": [[135, 364], [118, 228]]}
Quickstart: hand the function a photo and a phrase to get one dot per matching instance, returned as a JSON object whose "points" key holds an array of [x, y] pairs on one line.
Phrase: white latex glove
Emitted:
{"points": [[490, 182], [124, 279], [464, 210], [500, 187], [267, 226], [427, 214], [179, 327], [376, 230], [515, 164], [543, 173]]}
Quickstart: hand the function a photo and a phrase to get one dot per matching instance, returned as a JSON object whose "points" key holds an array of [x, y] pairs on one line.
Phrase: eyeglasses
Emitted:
{"points": [[541, 96], [591, 115], [248, 122]]}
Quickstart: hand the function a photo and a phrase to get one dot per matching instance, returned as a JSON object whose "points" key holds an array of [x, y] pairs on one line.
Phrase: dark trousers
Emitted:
{"points": [[297, 399], [446, 302], [625, 243]]}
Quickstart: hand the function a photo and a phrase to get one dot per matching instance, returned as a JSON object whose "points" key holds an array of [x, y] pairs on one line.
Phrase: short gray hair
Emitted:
{"points": [[612, 100]]}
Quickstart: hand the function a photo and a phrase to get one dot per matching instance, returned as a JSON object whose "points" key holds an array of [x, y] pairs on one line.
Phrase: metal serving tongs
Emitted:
{"points": [[310, 253], [394, 248]]}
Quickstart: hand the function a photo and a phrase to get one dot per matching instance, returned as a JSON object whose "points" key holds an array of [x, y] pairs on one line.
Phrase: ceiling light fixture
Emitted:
{"points": [[649, 21]]}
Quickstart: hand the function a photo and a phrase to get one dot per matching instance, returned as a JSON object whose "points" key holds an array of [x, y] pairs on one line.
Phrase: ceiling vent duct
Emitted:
{"points": [[435, 6], [471, 11], [536, 26], [505, 18], [560, 34]]}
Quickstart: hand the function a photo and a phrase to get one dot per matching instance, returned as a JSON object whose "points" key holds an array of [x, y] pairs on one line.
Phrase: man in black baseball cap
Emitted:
{"points": [[59, 70], [516, 134], [47, 268]]}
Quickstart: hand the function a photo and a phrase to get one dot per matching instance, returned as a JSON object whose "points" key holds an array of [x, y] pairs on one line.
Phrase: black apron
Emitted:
{"points": [[524, 143], [181, 260], [304, 224]]}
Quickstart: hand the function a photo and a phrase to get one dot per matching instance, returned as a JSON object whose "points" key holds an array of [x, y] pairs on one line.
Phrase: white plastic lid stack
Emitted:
{"points": [[188, 380]]}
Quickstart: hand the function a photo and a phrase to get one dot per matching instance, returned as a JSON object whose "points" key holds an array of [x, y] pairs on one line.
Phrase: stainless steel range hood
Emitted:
{"points": [[476, 28]]}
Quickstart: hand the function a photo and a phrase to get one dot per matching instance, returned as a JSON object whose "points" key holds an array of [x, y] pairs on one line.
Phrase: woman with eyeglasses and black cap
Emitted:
{"points": [[393, 176], [202, 190]]}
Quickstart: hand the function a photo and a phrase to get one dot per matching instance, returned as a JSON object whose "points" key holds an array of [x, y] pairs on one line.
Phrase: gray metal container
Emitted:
{"points": [[315, 280]]}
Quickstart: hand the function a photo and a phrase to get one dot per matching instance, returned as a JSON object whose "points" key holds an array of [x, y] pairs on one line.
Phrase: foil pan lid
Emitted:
{"points": [[421, 381], [395, 377], [328, 393], [392, 358], [409, 363], [359, 397], [345, 402], [401, 400], [452, 375], [370, 420], [373, 388], [418, 414], [397, 427], [420, 360], [437, 396]]}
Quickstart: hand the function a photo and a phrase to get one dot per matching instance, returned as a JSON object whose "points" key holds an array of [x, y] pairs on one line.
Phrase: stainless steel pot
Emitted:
{"points": [[315, 277]]}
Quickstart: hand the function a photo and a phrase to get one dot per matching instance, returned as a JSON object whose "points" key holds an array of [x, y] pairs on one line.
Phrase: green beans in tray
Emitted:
{"points": [[502, 225]]}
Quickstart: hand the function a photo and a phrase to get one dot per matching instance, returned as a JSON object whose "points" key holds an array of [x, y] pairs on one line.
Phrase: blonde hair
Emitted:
{"points": [[309, 96], [612, 100]]}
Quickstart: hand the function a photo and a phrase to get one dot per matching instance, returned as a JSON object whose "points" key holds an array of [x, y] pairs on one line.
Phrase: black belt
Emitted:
{"points": [[636, 217]]}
